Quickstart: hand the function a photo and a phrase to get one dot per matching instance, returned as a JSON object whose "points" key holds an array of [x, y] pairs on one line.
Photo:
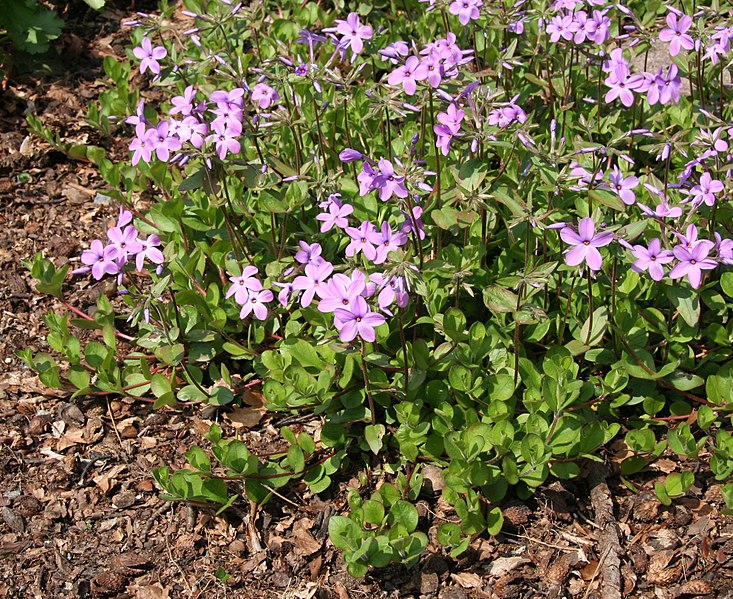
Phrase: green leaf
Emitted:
{"points": [[373, 435], [599, 322], [170, 354], [726, 283], [296, 459], [494, 521], [498, 299], [373, 512], [404, 513], [344, 533], [454, 324], [687, 303], [191, 393], [79, 377], [661, 492]]}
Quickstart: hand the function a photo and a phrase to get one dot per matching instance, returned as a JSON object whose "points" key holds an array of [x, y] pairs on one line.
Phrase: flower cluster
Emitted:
{"points": [[662, 87], [578, 26], [216, 123], [438, 61], [350, 298], [124, 245]]}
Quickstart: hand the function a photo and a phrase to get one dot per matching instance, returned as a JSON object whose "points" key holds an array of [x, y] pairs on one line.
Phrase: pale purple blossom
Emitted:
{"points": [[101, 259], [651, 258], [149, 56], [353, 33], [693, 261], [357, 320], [676, 33], [408, 75], [256, 304], [585, 243]]}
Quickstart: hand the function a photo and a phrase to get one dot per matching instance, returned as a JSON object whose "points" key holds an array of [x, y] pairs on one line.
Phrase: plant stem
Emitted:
{"points": [[365, 374]]}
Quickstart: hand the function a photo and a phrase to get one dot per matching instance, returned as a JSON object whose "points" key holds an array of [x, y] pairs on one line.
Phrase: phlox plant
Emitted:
{"points": [[490, 238]]}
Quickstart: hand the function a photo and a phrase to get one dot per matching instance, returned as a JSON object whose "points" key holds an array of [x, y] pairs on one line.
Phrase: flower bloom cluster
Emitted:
{"points": [[124, 245], [357, 301], [577, 25], [662, 87], [216, 123], [437, 62]]}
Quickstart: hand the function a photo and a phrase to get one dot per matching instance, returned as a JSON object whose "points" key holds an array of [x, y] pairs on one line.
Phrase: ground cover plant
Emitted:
{"points": [[490, 239]]}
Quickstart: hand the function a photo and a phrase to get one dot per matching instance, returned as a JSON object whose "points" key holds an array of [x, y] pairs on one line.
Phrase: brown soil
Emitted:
{"points": [[82, 517]]}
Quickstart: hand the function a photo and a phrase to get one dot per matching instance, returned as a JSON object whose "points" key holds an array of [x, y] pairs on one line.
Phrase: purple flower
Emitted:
{"points": [[602, 26], [503, 117], [228, 102], [309, 253], [465, 10], [724, 248], [585, 27], [149, 56], [443, 138], [342, 290], [335, 216], [264, 95], [150, 251], [192, 130], [366, 178], [225, 137], [349, 155], [357, 320], [623, 186], [101, 258], [616, 59], [124, 242], [388, 182], [286, 290], [693, 262], [651, 259], [435, 70], [410, 224], [662, 210], [585, 243], [395, 51], [256, 303], [451, 118], [385, 241], [408, 75], [661, 88], [313, 282], [360, 241], [183, 104], [164, 143], [561, 26], [143, 144], [353, 32], [391, 289], [243, 285], [676, 34], [622, 84], [706, 190]]}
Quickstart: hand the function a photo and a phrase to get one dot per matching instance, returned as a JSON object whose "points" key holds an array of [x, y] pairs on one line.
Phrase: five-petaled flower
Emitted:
{"points": [[585, 244], [149, 56]]}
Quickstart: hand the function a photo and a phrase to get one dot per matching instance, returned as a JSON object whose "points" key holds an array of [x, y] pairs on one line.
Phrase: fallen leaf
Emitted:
{"points": [[22, 381], [503, 565], [152, 591], [305, 543], [468, 580], [245, 417]]}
